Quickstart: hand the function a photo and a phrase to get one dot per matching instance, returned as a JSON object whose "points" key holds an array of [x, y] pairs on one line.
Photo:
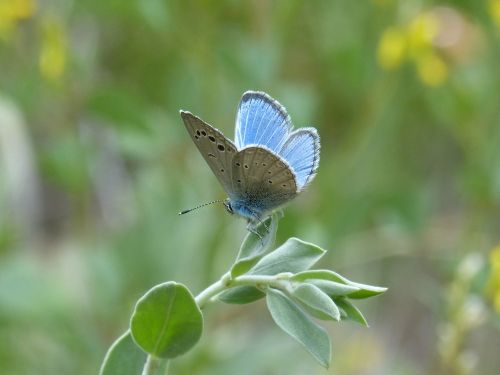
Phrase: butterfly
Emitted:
{"points": [[269, 162]]}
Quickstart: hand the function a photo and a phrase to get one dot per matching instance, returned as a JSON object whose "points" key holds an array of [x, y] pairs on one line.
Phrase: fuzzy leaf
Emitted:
{"points": [[291, 319], [350, 312], [293, 256], [362, 290], [241, 295], [254, 247], [316, 302]]}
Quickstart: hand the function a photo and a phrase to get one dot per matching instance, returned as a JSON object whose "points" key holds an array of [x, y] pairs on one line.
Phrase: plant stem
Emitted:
{"points": [[151, 365], [214, 289], [226, 282]]}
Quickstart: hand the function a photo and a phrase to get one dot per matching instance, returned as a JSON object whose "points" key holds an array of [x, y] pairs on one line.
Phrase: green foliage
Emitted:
{"points": [[318, 303], [241, 295], [255, 245], [124, 357], [301, 327], [335, 284], [166, 321], [350, 312], [293, 256]]}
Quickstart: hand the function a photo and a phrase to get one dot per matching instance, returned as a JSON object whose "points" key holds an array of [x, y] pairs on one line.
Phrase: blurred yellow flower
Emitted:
{"points": [[431, 69], [391, 49], [13, 11], [415, 43], [53, 54], [494, 280], [494, 9], [421, 33]]}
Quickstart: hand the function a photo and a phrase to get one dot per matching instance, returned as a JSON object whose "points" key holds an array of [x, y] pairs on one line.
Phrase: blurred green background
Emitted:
{"points": [[95, 163]]}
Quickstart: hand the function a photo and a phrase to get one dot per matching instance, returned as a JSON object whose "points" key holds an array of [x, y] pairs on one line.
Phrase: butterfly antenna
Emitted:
{"points": [[200, 206]]}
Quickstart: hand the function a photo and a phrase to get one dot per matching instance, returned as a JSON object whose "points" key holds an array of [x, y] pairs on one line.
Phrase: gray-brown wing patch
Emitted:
{"points": [[262, 179], [216, 149]]}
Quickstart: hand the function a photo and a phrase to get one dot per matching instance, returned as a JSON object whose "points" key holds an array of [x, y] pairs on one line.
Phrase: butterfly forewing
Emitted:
{"points": [[263, 180], [216, 149], [261, 120]]}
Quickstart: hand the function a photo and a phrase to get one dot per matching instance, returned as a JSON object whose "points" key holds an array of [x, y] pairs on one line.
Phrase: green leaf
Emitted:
{"points": [[299, 325], [350, 312], [333, 288], [363, 290], [293, 256], [241, 295], [321, 275], [316, 302], [167, 321], [124, 357], [253, 246], [366, 291]]}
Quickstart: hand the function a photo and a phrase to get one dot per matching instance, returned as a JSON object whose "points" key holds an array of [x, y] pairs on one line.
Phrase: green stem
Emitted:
{"points": [[226, 282], [204, 297], [151, 365]]}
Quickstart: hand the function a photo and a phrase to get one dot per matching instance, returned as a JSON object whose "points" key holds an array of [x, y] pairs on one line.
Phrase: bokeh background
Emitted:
{"points": [[95, 163]]}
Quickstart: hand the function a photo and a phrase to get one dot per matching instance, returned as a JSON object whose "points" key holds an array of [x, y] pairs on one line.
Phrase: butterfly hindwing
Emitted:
{"points": [[301, 151], [261, 120], [216, 149], [263, 180]]}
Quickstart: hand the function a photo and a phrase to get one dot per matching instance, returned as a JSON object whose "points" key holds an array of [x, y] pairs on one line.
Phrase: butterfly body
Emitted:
{"points": [[267, 165]]}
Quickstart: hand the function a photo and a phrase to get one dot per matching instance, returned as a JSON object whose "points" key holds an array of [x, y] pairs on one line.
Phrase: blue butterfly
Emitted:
{"points": [[267, 165]]}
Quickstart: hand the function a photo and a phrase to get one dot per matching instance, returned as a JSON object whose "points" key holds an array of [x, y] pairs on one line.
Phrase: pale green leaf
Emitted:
{"points": [[333, 288], [316, 302], [350, 312], [293, 256], [361, 291], [291, 319], [241, 295], [255, 246]]}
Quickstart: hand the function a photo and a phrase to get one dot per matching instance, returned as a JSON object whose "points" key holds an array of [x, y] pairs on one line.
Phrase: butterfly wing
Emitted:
{"points": [[216, 149], [263, 181], [301, 151], [261, 120]]}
